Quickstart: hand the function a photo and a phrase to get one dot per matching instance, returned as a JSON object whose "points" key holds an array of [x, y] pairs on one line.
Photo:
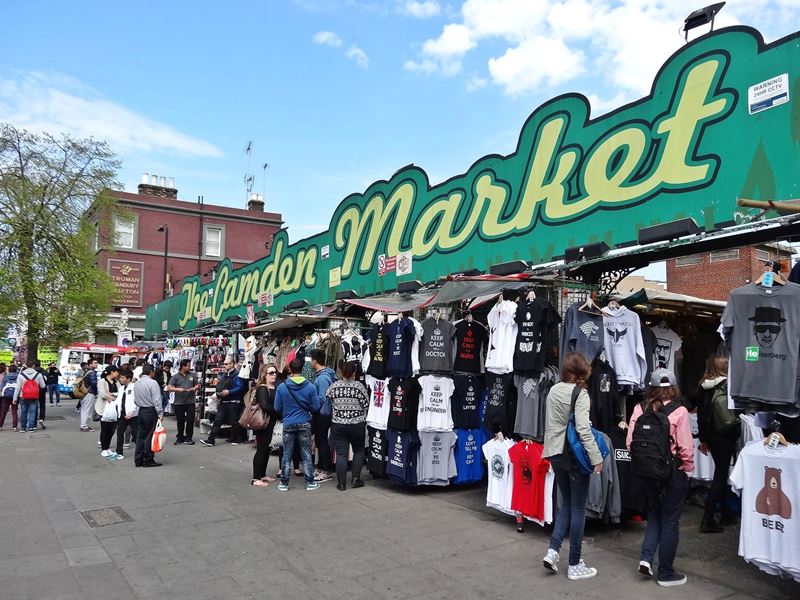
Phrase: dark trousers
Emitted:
{"points": [[345, 436], [147, 424], [42, 403], [295, 455], [261, 457], [320, 427], [722, 450], [7, 405], [227, 414], [184, 414], [574, 489], [107, 429], [665, 505], [122, 425], [54, 393]]}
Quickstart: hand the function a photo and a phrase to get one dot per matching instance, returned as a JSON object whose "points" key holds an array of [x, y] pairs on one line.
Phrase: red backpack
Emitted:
{"points": [[30, 389]]}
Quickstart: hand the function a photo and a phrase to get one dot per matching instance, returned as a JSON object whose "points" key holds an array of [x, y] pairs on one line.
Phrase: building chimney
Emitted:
{"points": [[256, 203], [152, 185]]}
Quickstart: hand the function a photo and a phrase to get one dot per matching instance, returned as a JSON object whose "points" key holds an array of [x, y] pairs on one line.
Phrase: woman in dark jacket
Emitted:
{"points": [[265, 396]]}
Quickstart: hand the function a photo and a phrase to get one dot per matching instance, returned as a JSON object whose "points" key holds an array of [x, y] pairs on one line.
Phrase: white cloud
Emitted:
{"points": [[425, 66], [600, 106], [533, 62], [513, 20], [476, 82], [57, 104], [357, 54], [328, 38], [421, 10]]}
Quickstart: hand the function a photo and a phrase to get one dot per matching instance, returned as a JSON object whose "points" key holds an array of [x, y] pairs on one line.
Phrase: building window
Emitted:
{"points": [[212, 245], [95, 237], [685, 261], [124, 229], [762, 255], [724, 255]]}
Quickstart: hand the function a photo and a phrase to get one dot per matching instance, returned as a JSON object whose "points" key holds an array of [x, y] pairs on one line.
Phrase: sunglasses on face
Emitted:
{"points": [[776, 329], [272, 372]]}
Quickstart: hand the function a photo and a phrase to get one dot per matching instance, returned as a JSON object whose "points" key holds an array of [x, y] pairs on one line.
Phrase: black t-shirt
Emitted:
{"points": [[52, 375], [471, 341], [530, 319], [604, 392], [632, 489], [377, 451], [500, 403], [403, 403], [469, 390], [378, 351]]}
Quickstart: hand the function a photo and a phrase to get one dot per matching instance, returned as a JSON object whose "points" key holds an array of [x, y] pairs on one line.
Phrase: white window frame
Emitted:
{"points": [[689, 261], [724, 255], [221, 243], [115, 225], [762, 254]]}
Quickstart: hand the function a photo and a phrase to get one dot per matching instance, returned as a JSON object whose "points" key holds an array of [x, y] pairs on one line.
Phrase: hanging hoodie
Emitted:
{"points": [[582, 332], [624, 345]]}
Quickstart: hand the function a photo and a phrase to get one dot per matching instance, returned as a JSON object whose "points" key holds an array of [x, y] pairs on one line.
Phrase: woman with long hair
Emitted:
{"points": [[573, 485], [265, 396], [719, 433], [106, 395], [349, 403], [665, 499]]}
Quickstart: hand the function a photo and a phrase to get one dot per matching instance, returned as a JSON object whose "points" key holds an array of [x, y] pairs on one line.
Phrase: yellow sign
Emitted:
{"points": [[335, 277]]}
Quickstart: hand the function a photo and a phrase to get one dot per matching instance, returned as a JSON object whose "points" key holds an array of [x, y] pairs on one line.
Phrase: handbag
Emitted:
{"points": [[573, 445], [159, 438], [253, 417]]}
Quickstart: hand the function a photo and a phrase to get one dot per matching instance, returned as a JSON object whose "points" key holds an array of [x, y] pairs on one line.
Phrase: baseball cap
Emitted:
{"points": [[659, 374]]}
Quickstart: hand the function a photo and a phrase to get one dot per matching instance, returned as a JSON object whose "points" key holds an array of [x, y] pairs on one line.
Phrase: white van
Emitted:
{"points": [[70, 359]]}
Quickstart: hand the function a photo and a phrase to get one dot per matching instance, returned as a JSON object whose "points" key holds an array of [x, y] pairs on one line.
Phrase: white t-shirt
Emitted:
{"points": [[501, 475], [668, 344], [434, 413], [769, 480], [378, 412], [502, 337]]}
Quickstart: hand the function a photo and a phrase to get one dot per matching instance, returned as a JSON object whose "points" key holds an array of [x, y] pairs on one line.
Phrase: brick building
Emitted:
{"points": [[131, 246], [713, 275]]}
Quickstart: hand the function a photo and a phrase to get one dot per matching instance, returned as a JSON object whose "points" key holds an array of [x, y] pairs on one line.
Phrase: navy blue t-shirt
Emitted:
{"points": [[467, 396], [469, 462], [402, 454], [401, 336]]}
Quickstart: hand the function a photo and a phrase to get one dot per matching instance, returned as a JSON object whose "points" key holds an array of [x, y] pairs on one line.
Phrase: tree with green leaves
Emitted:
{"points": [[50, 288]]}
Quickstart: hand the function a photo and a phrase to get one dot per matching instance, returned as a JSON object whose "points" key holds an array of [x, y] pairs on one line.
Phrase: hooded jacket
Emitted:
{"points": [[296, 399], [705, 411], [323, 380], [28, 373]]}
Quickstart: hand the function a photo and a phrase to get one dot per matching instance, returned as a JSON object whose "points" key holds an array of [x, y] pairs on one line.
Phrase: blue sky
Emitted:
{"points": [[333, 94]]}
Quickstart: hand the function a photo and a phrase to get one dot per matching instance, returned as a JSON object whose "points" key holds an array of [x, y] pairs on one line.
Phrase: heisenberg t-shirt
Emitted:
{"points": [[762, 330]]}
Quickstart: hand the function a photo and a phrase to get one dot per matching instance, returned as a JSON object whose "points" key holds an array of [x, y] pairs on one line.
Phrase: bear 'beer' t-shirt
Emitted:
{"points": [[471, 340], [436, 348]]}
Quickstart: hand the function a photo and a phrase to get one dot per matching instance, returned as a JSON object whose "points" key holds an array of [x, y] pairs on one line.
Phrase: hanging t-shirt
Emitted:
{"points": [[436, 462], [604, 392], [471, 340], [378, 349], [582, 332], [434, 412], [402, 456], [353, 348], [667, 344], [762, 329], [530, 469], [469, 466], [404, 403], [623, 345], [530, 321], [501, 478], [498, 388], [502, 336], [526, 422], [378, 412], [401, 338], [633, 490], [769, 480], [377, 451], [436, 349], [467, 394]]}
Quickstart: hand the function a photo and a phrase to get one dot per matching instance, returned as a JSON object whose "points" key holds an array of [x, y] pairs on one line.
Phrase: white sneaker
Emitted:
{"points": [[645, 568], [580, 571], [322, 476], [126, 445], [105, 453], [118, 456], [550, 561]]}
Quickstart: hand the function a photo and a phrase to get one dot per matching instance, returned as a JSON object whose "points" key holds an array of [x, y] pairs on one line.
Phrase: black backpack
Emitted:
{"points": [[651, 445]]}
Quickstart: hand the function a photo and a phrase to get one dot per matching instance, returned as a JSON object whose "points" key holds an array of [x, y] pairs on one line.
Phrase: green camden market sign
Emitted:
{"points": [[722, 122]]}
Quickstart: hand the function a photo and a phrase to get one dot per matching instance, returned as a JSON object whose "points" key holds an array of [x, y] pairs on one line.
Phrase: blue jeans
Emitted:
{"points": [[27, 413], [301, 433], [54, 393], [574, 489], [665, 505]]}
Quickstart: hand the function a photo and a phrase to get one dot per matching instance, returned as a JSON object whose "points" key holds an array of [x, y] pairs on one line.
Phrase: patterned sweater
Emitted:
{"points": [[349, 402]]}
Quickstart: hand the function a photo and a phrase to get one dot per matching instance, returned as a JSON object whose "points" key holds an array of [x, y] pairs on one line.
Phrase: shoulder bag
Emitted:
{"points": [[252, 416], [573, 445]]}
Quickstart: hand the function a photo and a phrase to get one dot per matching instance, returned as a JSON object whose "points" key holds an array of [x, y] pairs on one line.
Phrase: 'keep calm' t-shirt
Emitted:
{"points": [[467, 395], [401, 338], [436, 348], [469, 466], [404, 403], [434, 405], [437, 463], [377, 451], [471, 340]]}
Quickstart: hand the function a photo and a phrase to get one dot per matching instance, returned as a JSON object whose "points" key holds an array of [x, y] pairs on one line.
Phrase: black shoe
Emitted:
{"points": [[138, 465], [152, 464], [188, 443], [177, 442], [207, 443], [709, 526], [341, 487], [357, 483]]}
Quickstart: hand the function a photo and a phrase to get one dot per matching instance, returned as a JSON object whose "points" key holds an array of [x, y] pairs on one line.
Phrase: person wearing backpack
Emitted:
{"points": [[719, 429], [662, 454], [29, 383], [7, 392], [572, 483], [87, 402]]}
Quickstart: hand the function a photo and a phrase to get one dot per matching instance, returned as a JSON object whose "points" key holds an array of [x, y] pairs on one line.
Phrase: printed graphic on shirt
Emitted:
{"points": [[498, 467], [772, 500], [663, 354], [616, 335], [589, 329], [605, 383], [767, 325]]}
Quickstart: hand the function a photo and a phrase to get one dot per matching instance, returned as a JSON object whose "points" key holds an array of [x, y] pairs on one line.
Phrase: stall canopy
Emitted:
{"points": [[663, 299], [393, 303]]}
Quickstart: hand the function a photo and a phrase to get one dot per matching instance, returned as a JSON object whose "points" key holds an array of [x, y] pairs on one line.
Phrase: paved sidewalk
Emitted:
{"points": [[200, 531]]}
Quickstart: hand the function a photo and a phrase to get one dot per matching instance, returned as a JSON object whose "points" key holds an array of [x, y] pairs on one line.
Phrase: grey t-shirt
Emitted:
{"points": [[437, 462], [187, 383], [436, 348], [528, 398], [762, 331]]}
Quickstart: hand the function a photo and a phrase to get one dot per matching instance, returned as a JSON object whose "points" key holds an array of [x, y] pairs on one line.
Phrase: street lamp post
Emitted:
{"points": [[165, 229]]}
